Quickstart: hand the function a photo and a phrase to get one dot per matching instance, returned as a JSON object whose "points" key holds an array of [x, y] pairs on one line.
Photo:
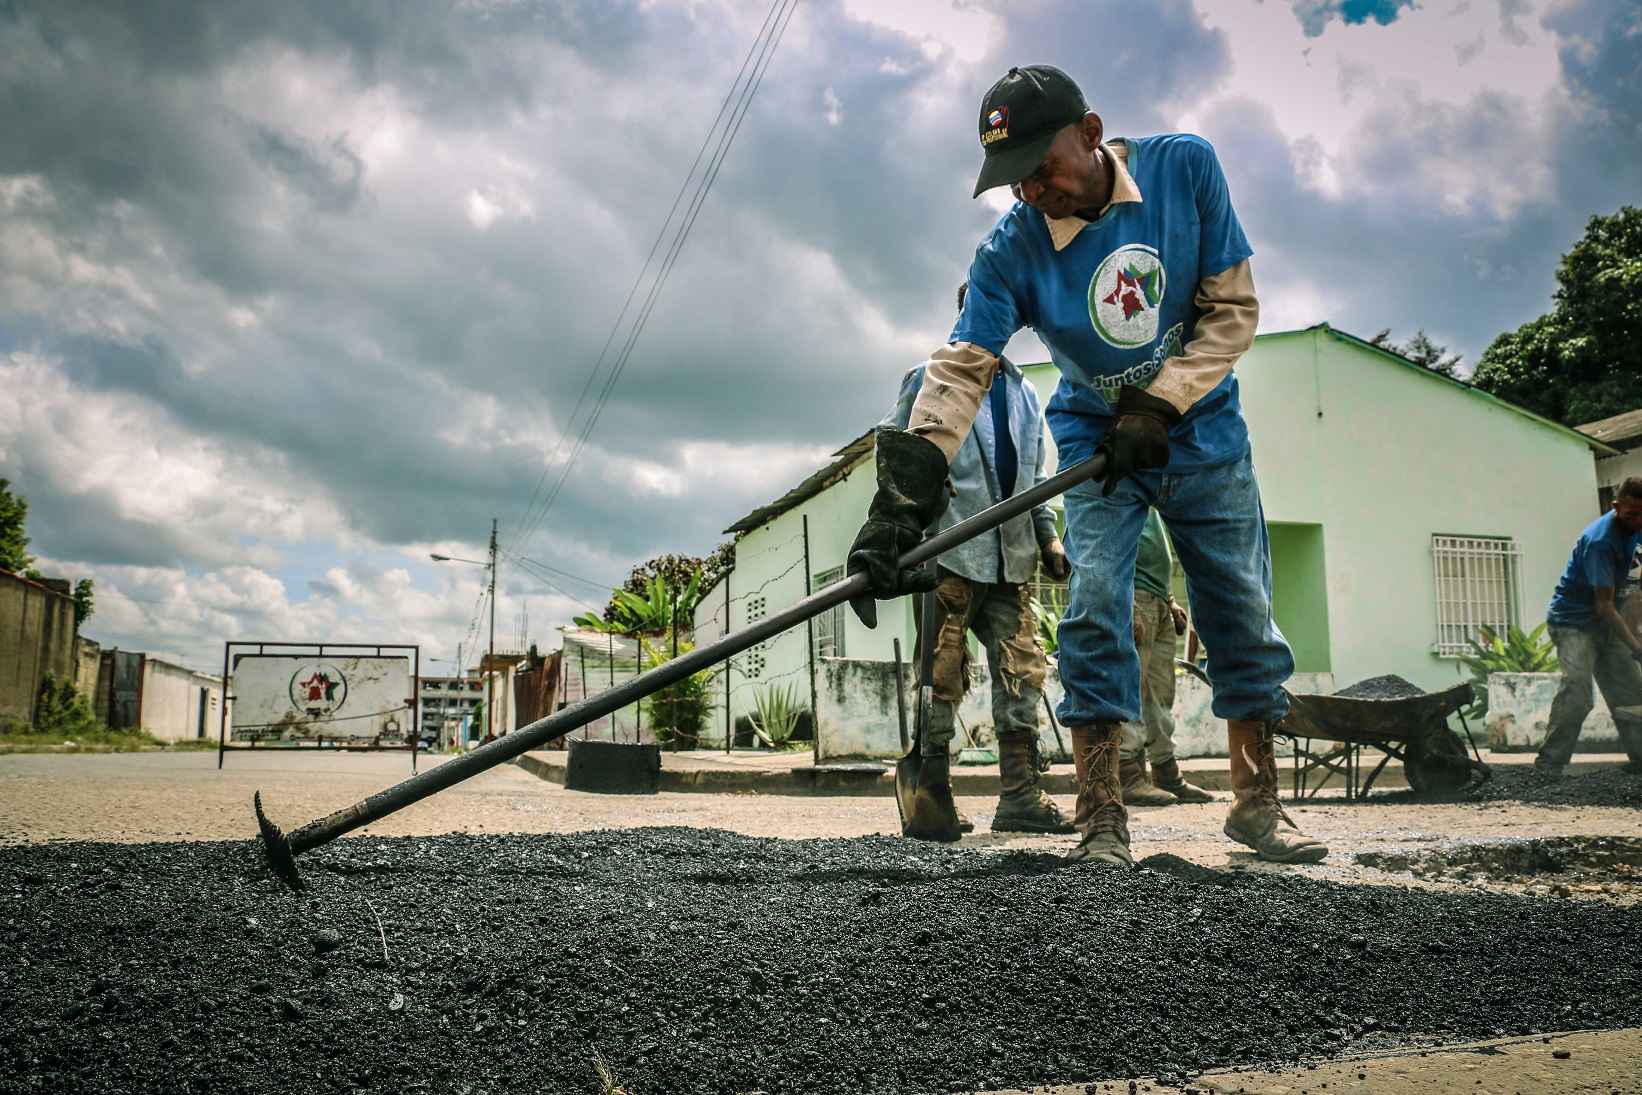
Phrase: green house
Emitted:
{"points": [[1406, 511]]}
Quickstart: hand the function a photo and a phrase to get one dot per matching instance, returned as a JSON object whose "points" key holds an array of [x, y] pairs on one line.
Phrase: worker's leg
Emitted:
{"points": [[956, 599], [1151, 614], [1009, 632], [1576, 652], [933, 813], [1620, 679], [1157, 691], [1099, 669], [1219, 532]]}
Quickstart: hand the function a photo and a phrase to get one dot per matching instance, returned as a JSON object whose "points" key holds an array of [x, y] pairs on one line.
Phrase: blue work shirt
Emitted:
{"points": [[1605, 556], [976, 481], [1119, 300]]}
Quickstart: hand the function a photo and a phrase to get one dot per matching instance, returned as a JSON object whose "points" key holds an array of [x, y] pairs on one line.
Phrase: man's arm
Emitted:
{"points": [[1231, 314], [956, 378], [1609, 613], [900, 414]]}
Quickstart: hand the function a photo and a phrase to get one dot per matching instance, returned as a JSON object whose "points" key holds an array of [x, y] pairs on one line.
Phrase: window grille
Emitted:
{"points": [[829, 626], [1478, 585]]}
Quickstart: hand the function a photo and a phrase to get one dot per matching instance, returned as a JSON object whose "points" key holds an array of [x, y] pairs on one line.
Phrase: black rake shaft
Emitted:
{"points": [[281, 848]]}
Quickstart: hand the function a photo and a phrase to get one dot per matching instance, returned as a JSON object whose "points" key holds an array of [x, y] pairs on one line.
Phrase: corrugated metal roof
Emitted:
{"points": [[1622, 431], [844, 461]]}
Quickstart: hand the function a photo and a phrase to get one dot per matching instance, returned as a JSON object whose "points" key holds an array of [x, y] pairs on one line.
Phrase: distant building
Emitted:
{"points": [[448, 705], [37, 637], [171, 702], [1622, 433]]}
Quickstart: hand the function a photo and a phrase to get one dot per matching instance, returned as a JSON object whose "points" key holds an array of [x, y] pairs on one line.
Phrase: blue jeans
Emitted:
{"points": [[1219, 531]]}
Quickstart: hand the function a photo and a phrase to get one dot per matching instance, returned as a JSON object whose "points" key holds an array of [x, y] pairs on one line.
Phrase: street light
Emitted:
{"points": [[490, 675]]}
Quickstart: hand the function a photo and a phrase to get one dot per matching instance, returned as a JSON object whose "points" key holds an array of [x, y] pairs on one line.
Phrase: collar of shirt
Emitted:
{"points": [[1064, 229]]}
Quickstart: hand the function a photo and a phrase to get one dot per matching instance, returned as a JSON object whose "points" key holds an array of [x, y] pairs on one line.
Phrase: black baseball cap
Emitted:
{"points": [[1019, 119]]}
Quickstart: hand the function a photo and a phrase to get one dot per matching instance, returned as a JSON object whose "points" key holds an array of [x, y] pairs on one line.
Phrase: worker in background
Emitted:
{"points": [[984, 589], [1159, 623], [1128, 261], [1592, 638]]}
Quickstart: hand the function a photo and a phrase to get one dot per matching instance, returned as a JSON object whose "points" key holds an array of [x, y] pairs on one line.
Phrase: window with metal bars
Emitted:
{"points": [[1478, 585], [829, 626]]}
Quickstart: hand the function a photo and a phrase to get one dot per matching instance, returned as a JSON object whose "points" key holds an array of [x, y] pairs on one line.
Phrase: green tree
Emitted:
{"points": [[1581, 361], [1422, 351], [14, 508], [14, 556]]}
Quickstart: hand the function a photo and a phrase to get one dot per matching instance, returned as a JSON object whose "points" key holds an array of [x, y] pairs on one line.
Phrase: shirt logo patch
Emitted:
{"points": [[1125, 295]]}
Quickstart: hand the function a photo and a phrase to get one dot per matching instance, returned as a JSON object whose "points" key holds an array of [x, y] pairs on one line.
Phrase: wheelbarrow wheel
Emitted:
{"points": [[1437, 763]]}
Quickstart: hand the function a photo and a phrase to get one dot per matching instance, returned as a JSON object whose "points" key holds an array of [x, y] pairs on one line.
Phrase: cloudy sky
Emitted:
{"points": [[292, 295]]}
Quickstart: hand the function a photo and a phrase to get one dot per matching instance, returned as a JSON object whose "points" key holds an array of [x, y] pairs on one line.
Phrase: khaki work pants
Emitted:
{"points": [[1000, 615], [1156, 643]]}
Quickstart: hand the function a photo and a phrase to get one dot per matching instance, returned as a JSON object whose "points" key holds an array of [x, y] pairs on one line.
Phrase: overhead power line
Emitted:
{"points": [[713, 150]]}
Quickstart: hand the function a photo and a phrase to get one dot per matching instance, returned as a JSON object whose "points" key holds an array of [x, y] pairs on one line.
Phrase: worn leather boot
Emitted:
{"points": [[1137, 789], [1100, 815], [1257, 818], [1022, 807], [1167, 777]]}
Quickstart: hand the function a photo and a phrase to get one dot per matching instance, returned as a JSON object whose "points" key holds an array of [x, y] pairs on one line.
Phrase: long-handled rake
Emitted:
{"points": [[282, 849]]}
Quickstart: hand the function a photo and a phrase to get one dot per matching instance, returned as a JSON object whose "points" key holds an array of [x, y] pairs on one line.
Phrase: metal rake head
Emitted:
{"points": [[277, 847]]}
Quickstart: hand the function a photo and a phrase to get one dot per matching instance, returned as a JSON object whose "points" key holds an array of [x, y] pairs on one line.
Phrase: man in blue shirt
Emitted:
{"points": [[1127, 259], [983, 589], [1592, 637]]}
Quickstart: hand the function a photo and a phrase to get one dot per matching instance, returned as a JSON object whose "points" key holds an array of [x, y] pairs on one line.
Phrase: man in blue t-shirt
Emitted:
{"points": [[1592, 638], [1127, 259]]}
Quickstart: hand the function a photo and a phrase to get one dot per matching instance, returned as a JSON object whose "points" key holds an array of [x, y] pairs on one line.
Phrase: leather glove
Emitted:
{"points": [[1056, 567], [1177, 614], [911, 495], [1138, 438]]}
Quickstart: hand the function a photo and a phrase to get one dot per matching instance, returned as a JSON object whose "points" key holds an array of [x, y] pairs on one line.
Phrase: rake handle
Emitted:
{"points": [[560, 723]]}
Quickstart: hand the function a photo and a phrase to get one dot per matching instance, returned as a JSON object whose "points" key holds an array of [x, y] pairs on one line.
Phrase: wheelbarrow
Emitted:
{"points": [[1412, 729]]}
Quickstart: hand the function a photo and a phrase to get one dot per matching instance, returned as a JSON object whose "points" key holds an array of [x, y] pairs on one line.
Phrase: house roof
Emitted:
{"points": [[1598, 445], [852, 455], [1622, 431], [844, 461]]}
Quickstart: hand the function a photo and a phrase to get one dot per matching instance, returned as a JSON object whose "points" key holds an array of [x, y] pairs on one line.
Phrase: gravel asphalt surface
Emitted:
{"points": [[146, 948]]}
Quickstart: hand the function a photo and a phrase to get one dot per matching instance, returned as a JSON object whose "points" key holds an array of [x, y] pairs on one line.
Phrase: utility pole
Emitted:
{"points": [[490, 678]]}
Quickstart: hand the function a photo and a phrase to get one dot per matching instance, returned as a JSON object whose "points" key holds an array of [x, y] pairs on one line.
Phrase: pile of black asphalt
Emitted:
{"points": [[698, 961]]}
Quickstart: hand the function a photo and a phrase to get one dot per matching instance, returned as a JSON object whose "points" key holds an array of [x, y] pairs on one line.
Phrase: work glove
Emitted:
{"points": [[911, 495], [1056, 567], [1178, 615], [1138, 438]]}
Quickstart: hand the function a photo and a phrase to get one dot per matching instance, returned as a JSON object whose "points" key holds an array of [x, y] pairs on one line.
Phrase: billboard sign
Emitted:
{"points": [[306, 698]]}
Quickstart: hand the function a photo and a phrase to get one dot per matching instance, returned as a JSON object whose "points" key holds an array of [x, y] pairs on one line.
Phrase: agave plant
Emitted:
{"points": [[1514, 652], [775, 714]]}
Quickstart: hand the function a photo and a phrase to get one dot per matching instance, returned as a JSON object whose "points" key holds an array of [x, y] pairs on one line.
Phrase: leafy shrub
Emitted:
{"points": [[677, 713], [1515, 652], [1048, 617]]}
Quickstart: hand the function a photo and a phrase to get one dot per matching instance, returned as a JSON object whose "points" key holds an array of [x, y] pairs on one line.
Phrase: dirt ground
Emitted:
{"points": [[147, 797]]}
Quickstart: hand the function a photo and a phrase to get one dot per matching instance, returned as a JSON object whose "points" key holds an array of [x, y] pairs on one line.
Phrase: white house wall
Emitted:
{"points": [[171, 701]]}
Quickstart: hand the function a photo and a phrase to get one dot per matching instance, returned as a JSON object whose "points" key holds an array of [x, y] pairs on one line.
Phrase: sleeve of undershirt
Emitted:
{"points": [[956, 378], [1230, 316]]}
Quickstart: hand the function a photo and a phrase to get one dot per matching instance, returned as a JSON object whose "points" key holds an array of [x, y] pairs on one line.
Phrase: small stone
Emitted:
{"points": [[326, 940], [397, 1002], [1357, 943], [1561, 1054], [292, 1009]]}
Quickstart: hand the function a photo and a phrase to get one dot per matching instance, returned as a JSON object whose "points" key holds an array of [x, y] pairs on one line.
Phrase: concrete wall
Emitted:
{"points": [[1614, 470], [859, 719], [1519, 710], [36, 638], [171, 701]]}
